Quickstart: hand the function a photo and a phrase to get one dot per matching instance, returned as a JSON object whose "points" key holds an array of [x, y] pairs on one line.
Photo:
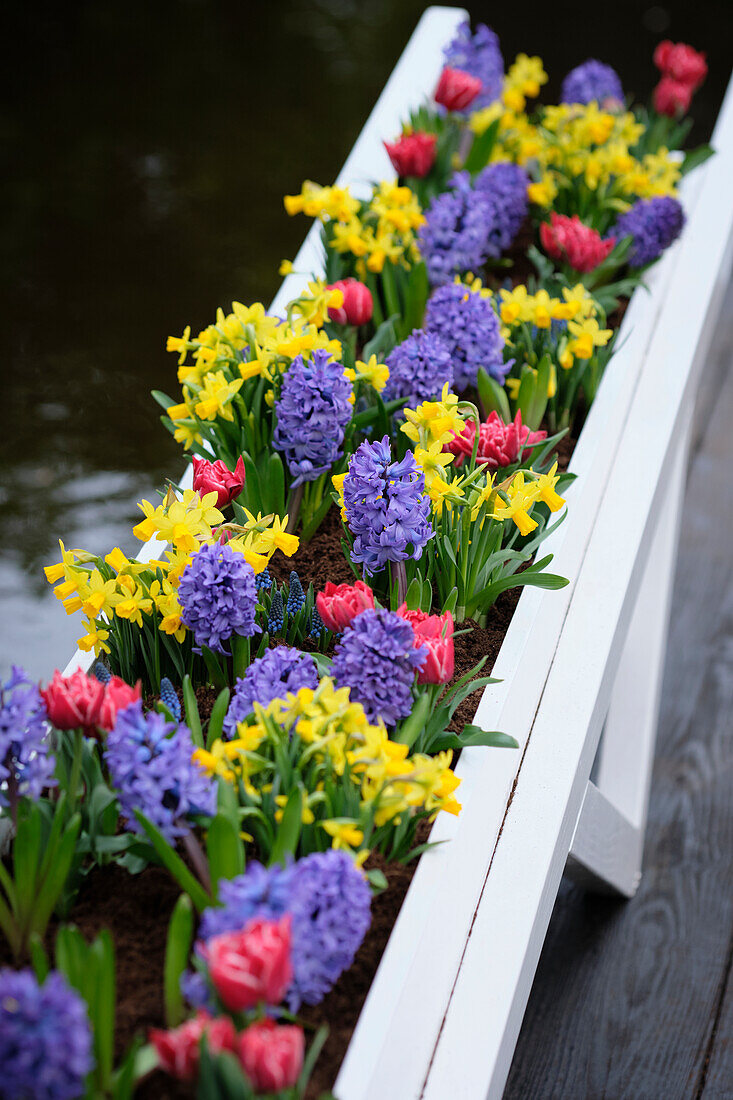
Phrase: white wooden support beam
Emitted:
{"points": [[608, 843]]}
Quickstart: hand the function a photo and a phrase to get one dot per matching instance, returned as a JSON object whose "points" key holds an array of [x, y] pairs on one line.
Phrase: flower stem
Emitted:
{"points": [[198, 859]]}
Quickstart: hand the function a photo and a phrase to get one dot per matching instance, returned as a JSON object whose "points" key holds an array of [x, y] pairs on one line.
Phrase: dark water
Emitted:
{"points": [[150, 144]]}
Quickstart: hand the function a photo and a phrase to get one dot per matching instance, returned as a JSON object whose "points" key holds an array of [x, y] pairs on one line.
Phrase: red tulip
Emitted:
{"points": [[252, 966], [672, 97], [568, 239], [216, 477], [456, 89], [271, 1055], [498, 443], [178, 1050], [74, 702], [436, 633], [117, 696], [357, 307], [682, 63], [412, 154], [338, 604]]}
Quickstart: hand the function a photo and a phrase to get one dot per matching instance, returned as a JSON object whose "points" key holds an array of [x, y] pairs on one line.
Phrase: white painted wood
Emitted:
{"points": [[607, 846], [472, 1056], [418, 969], [412, 80]]}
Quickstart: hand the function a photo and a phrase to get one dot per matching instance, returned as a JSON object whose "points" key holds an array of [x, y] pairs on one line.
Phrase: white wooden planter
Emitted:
{"points": [[444, 1011]]}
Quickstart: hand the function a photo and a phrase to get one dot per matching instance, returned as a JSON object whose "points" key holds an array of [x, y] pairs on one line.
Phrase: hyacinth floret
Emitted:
{"points": [[329, 900], [591, 81], [454, 238], [480, 55], [419, 367], [169, 698], [271, 676], [45, 1038], [505, 187], [296, 595], [151, 767], [218, 597], [387, 508], [653, 224], [377, 660], [312, 413], [466, 322], [25, 762], [276, 617]]}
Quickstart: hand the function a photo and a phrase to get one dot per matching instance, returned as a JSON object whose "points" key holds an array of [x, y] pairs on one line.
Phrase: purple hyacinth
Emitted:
{"points": [[151, 765], [480, 55], [25, 762], [271, 676], [505, 186], [454, 238], [589, 81], [376, 658], [329, 900], [45, 1038], [312, 413], [387, 508], [419, 367], [653, 224], [466, 322], [218, 597]]}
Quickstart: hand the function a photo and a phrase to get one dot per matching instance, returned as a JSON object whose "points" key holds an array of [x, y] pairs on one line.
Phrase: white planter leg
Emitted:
{"points": [[608, 843]]}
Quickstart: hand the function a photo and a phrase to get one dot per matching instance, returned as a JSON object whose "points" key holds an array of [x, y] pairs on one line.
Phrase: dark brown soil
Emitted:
{"points": [[320, 560]]}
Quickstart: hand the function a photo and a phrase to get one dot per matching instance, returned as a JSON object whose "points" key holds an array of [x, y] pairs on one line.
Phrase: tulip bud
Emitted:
{"points": [[74, 702], [117, 696], [271, 1055], [456, 89], [435, 632], [412, 154], [672, 97], [681, 63], [338, 604], [178, 1050], [357, 306], [572, 242], [216, 477], [252, 966]]}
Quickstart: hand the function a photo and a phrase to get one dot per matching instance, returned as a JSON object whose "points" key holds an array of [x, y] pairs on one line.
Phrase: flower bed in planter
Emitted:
{"points": [[336, 750]]}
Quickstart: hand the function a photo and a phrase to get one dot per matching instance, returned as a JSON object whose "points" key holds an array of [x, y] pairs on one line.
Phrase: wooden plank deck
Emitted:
{"points": [[635, 999]]}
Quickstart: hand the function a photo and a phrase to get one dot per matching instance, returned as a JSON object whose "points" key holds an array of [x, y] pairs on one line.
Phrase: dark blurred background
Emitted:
{"points": [[148, 148]]}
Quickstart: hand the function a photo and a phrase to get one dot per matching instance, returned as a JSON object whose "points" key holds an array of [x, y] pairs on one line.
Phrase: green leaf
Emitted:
{"points": [[473, 736], [492, 396], [191, 708], [480, 151], [695, 157], [177, 952], [218, 714], [288, 833], [377, 879], [408, 731], [50, 889], [102, 1012], [173, 863], [223, 850], [163, 399], [39, 958]]}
